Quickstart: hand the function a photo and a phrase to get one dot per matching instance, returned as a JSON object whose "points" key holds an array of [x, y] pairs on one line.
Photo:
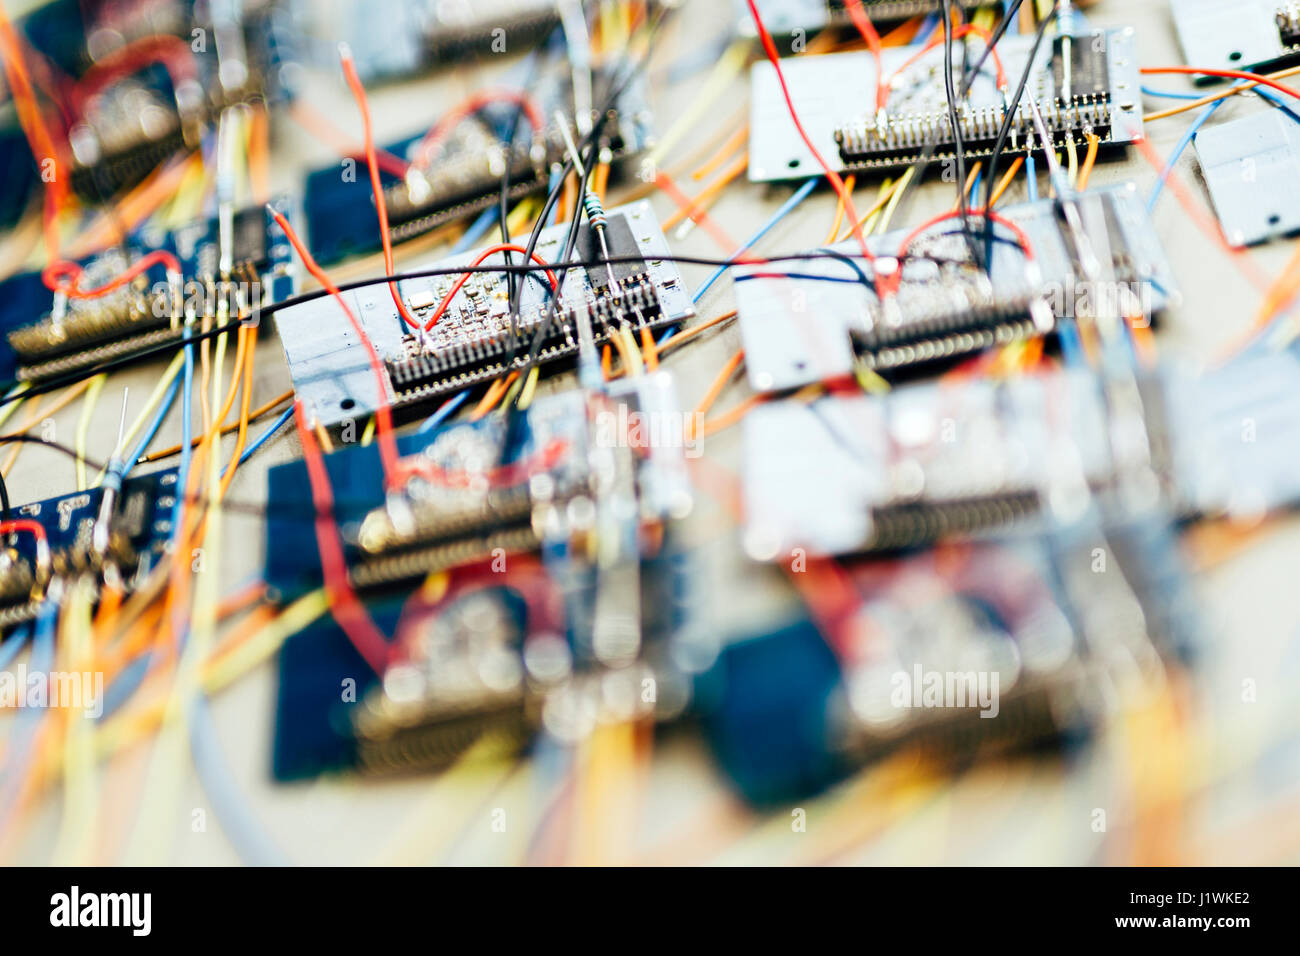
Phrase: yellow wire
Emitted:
{"points": [[729, 66], [80, 804], [83, 425], [8, 410], [894, 199], [530, 387]]}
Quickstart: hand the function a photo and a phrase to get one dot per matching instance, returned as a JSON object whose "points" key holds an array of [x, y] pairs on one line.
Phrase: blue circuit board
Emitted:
{"points": [[26, 302], [340, 210], [143, 519]]}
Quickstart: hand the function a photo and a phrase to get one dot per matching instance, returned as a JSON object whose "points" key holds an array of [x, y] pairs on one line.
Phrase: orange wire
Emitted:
{"points": [[381, 204]]}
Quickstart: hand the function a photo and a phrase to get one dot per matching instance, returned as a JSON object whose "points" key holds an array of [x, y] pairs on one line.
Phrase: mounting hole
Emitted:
{"points": [[795, 163], [1274, 219], [1235, 56], [348, 404]]}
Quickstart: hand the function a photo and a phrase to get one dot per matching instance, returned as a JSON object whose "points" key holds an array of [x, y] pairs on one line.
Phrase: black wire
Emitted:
{"points": [[74, 378], [529, 268], [1009, 118], [616, 90], [503, 210], [959, 145], [927, 153]]}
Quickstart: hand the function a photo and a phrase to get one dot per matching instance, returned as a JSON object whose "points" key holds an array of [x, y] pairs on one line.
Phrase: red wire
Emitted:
{"points": [[872, 38], [891, 283], [451, 119], [1022, 237], [33, 124], [883, 90], [514, 473], [491, 250], [24, 524], [1226, 74], [836, 182], [381, 205], [383, 414], [346, 609], [64, 276], [173, 52]]}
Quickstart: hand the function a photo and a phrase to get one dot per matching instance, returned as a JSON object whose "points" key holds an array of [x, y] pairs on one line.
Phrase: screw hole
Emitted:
{"points": [[795, 163], [348, 404], [1235, 56]]}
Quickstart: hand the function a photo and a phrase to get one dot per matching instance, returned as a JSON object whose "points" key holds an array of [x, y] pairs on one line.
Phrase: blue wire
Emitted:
{"points": [[251, 841], [1168, 94], [811, 277], [443, 413], [476, 231], [1178, 152], [1068, 335], [1031, 177], [148, 437], [1267, 94], [800, 195], [262, 438], [127, 681], [553, 184], [187, 415]]}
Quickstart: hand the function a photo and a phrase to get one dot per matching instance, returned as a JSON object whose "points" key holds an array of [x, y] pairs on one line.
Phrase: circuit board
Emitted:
{"points": [[990, 649], [503, 544], [470, 161], [427, 35], [39, 344], [1252, 168], [785, 17], [1090, 84], [140, 120], [1258, 35], [139, 532], [798, 331], [473, 341]]}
